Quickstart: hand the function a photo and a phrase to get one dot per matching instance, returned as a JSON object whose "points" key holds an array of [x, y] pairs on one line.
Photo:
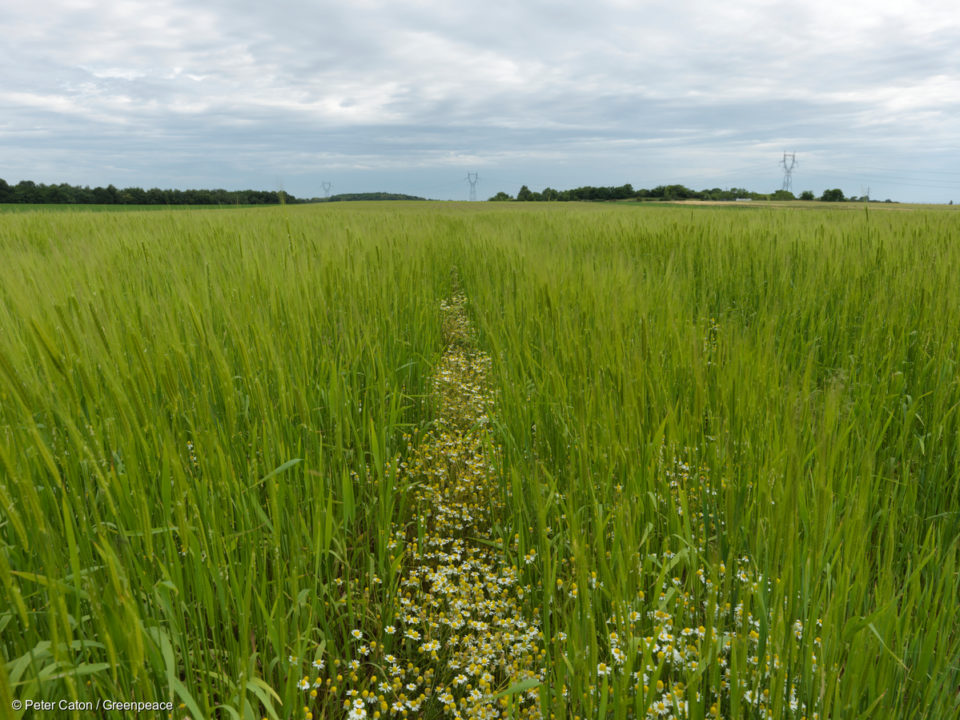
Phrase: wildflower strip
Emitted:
{"points": [[459, 636]]}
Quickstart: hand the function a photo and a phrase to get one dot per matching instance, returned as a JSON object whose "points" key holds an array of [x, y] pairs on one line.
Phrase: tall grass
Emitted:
{"points": [[200, 416], [806, 365], [189, 403]]}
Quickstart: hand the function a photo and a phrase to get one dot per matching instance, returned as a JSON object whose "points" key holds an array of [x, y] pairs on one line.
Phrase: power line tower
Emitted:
{"points": [[473, 179], [327, 187], [788, 163]]}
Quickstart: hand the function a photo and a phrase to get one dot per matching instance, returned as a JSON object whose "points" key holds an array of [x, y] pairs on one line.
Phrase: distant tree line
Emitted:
{"points": [[27, 191], [663, 192]]}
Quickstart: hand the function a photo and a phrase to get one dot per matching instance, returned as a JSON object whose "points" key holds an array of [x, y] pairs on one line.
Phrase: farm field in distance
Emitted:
{"points": [[481, 460]]}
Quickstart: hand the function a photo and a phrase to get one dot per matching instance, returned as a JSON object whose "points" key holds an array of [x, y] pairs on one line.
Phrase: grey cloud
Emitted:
{"points": [[555, 92]]}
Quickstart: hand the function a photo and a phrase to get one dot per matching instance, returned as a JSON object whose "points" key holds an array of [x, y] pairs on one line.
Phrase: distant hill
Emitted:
{"points": [[347, 197]]}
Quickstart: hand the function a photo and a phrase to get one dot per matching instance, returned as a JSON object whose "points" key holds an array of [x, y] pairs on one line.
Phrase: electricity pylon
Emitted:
{"points": [[327, 187], [473, 179], [789, 162]]}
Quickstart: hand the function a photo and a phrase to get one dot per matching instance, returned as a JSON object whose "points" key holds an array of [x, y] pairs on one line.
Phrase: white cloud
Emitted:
{"points": [[612, 91]]}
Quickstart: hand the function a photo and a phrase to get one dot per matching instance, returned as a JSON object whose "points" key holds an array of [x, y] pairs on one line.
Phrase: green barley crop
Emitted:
{"points": [[187, 399], [719, 477], [684, 391]]}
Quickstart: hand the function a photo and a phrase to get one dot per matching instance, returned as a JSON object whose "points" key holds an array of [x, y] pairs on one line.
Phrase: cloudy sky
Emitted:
{"points": [[410, 96]]}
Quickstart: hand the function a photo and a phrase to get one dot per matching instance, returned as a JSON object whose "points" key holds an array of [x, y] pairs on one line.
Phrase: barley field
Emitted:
{"points": [[481, 460]]}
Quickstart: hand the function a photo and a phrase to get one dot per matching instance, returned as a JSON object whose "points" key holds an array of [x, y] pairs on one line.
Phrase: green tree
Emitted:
{"points": [[807, 195], [834, 195], [133, 196], [500, 197], [153, 196], [26, 191]]}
